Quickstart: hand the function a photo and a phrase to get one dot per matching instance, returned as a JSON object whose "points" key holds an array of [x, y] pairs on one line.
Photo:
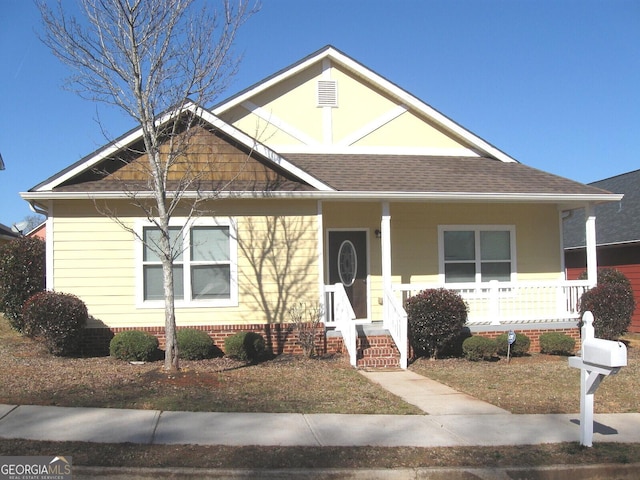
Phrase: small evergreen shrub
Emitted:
{"points": [[478, 348], [57, 319], [612, 305], [247, 346], [436, 318], [556, 343], [609, 275], [194, 344], [134, 346], [519, 348], [22, 270]]}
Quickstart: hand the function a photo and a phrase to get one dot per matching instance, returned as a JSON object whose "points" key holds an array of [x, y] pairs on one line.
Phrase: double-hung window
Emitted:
{"points": [[204, 265], [477, 253]]}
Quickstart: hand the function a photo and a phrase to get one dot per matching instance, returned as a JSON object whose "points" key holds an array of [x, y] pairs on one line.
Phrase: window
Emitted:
{"points": [[204, 268], [477, 254]]}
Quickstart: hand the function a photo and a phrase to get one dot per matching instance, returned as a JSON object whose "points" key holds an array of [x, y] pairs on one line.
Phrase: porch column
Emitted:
{"points": [[320, 252], [385, 230], [590, 237]]}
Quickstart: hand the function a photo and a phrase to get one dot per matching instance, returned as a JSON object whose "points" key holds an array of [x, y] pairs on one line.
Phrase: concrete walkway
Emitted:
{"points": [[452, 419]]}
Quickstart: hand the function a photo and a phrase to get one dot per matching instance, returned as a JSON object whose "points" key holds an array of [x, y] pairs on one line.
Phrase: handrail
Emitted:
{"points": [[498, 302], [344, 318], [395, 320]]}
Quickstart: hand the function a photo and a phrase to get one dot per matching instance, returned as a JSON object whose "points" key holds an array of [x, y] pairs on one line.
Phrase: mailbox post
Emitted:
{"points": [[599, 358]]}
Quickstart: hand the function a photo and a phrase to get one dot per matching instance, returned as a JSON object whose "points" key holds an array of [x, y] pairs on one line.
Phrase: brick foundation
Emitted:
{"points": [[280, 338], [534, 336]]}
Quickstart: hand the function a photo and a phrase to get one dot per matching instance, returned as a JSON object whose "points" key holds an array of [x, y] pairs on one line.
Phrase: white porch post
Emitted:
{"points": [[385, 229], [590, 237], [320, 250]]}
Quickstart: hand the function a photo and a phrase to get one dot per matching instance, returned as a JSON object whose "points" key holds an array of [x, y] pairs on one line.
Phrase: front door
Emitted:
{"points": [[348, 265]]}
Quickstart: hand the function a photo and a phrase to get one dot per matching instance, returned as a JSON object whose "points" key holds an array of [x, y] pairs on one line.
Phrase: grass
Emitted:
{"points": [[535, 384]]}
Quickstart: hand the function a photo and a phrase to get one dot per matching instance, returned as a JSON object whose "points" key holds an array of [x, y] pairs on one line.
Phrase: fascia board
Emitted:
{"points": [[572, 199]]}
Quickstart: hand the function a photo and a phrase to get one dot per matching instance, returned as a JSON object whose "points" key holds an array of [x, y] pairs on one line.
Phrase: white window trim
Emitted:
{"points": [[476, 229], [232, 301]]}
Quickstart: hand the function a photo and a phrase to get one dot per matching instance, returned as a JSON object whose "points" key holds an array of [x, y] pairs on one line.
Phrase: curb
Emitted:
{"points": [[553, 472]]}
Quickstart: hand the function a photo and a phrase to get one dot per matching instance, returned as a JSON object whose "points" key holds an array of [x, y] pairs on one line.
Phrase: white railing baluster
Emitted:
{"points": [[344, 319], [499, 302]]}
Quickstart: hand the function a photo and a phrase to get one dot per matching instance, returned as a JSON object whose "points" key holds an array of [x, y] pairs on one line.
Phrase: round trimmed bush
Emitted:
{"points": [[194, 344], [612, 305], [56, 318], [478, 348], [436, 318], [134, 346], [246, 346], [519, 348], [557, 343]]}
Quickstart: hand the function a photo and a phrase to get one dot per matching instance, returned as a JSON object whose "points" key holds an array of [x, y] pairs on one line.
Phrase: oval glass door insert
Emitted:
{"points": [[347, 263]]}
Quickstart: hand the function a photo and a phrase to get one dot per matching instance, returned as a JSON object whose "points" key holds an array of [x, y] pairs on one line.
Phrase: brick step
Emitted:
{"points": [[377, 351]]}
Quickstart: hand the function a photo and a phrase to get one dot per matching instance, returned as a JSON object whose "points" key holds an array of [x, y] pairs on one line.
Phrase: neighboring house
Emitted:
{"points": [[38, 232], [338, 188], [617, 235], [6, 234]]}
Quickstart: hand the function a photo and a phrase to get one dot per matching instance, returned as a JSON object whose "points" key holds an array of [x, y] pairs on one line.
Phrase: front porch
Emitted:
{"points": [[493, 307]]}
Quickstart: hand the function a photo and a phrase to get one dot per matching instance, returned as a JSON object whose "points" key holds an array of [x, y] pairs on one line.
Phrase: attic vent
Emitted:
{"points": [[327, 93]]}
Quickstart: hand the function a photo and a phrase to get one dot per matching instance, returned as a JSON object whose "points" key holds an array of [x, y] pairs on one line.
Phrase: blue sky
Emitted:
{"points": [[553, 83]]}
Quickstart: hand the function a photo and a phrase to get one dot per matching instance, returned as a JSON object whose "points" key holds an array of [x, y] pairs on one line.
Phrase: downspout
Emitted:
{"points": [[590, 236]]}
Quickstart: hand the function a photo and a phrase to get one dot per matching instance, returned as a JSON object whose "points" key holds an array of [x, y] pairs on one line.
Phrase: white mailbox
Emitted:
{"points": [[604, 353]]}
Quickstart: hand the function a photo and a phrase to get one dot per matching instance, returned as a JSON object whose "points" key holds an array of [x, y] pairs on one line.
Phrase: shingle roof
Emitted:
{"points": [[400, 173], [617, 222]]}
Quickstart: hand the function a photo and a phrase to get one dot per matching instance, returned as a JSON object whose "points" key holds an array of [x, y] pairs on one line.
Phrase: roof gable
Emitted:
{"points": [[117, 163], [373, 115]]}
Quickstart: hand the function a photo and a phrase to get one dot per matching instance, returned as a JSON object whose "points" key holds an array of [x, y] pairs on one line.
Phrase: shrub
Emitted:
{"points": [[194, 344], [478, 348], [56, 318], [519, 348], [609, 275], [307, 320], [134, 345], [556, 343], [247, 346], [436, 318], [611, 302], [22, 267]]}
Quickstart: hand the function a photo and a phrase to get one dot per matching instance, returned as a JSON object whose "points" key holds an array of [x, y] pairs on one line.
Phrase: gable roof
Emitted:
{"points": [[617, 223], [486, 173], [135, 135], [6, 233], [369, 76]]}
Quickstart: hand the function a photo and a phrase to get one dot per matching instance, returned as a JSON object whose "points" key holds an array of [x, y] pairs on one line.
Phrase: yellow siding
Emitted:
{"points": [[415, 237], [95, 259], [294, 103]]}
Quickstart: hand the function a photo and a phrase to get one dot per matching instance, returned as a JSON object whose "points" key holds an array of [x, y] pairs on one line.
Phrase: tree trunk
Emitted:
{"points": [[171, 362]]}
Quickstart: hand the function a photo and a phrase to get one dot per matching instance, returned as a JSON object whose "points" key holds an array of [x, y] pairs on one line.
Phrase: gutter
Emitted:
{"points": [[32, 197]]}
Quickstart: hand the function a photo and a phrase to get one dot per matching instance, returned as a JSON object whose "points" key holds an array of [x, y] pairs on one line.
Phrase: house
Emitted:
{"points": [[6, 234], [617, 235], [333, 186]]}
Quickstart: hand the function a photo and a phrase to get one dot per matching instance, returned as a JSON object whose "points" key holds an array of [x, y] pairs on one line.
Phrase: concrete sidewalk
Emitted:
{"points": [[451, 419], [291, 429]]}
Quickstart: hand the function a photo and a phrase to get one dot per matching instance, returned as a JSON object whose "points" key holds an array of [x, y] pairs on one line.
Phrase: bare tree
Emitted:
{"points": [[146, 57]]}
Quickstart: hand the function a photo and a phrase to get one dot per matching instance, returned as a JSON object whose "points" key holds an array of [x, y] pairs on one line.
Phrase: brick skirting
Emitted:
{"points": [[534, 336], [280, 338]]}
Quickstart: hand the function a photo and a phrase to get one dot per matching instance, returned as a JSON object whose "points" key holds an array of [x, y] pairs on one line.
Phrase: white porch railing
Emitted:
{"points": [[505, 302], [344, 317], [395, 320]]}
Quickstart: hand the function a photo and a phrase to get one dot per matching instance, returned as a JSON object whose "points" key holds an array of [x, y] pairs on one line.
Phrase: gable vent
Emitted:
{"points": [[327, 93]]}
